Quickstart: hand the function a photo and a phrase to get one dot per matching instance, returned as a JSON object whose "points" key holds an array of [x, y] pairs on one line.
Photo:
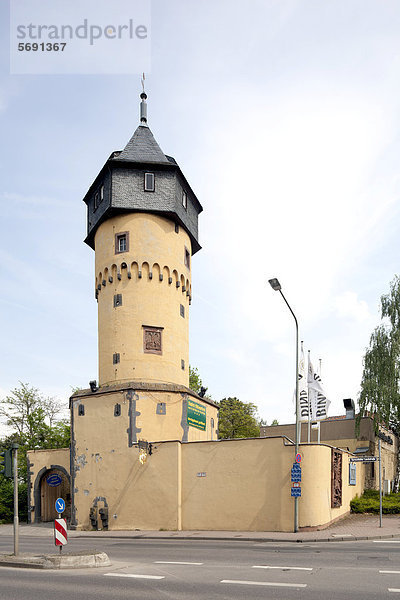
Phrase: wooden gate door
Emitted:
{"points": [[49, 495]]}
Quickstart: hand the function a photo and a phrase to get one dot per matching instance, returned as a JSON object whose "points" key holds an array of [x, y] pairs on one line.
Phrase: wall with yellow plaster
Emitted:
{"points": [[40, 462], [315, 504], [154, 282], [239, 485]]}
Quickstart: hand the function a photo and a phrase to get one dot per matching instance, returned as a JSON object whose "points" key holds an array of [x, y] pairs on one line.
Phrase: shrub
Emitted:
{"points": [[369, 503]]}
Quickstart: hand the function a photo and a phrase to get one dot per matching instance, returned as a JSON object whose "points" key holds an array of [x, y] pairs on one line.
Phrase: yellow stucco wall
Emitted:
{"points": [[239, 485], [44, 460], [99, 429], [315, 504], [105, 447], [154, 249], [246, 486]]}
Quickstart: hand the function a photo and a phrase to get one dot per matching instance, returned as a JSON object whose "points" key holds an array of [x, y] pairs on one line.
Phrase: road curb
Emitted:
{"points": [[56, 561], [340, 538]]}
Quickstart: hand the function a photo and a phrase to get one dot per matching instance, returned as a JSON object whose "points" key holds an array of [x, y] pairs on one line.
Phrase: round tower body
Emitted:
{"points": [[143, 288]]}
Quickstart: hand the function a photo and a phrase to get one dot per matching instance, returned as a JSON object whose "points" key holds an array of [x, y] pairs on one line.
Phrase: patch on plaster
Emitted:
{"points": [[81, 462], [184, 423], [86, 492], [97, 457], [132, 430], [112, 451], [100, 499]]}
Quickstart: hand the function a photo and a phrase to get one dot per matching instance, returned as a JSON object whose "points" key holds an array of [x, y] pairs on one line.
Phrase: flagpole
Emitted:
{"points": [[309, 402], [319, 422]]}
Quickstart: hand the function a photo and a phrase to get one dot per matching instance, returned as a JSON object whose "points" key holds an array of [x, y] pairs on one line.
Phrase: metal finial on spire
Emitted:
{"points": [[143, 105]]}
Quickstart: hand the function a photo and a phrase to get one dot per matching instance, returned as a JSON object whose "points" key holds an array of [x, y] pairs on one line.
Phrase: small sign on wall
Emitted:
{"points": [[352, 473], [196, 415], [54, 480]]}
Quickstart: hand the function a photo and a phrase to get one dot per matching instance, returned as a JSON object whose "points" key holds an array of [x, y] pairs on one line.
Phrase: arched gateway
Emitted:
{"points": [[51, 484]]}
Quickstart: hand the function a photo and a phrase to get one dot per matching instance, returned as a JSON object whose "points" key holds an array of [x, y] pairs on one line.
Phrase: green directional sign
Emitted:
{"points": [[6, 463], [196, 415]]}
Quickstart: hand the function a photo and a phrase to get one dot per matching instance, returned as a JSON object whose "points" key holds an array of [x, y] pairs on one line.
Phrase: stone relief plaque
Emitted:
{"points": [[336, 471], [152, 342]]}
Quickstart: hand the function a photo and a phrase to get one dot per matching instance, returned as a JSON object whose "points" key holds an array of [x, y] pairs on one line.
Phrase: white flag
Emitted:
{"points": [[319, 403], [303, 395]]}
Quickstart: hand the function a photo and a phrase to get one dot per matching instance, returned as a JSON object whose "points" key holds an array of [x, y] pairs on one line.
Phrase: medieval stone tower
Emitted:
{"points": [[142, 224]]}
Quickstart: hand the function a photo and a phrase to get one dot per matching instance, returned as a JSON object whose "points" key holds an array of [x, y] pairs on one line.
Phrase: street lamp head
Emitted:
{"points": [[274, 283]]}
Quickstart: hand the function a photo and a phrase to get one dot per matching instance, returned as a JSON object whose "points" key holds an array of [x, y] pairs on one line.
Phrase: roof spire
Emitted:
{"points": [[143, 105]]}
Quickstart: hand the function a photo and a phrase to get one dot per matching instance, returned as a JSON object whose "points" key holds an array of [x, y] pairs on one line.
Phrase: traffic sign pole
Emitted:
{"points": [[16, 521], [380, 484]]}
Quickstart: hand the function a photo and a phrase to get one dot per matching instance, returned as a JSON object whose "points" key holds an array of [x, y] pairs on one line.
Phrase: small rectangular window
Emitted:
{"points": [[117, 300], [98, 196], [81, 410], [182, 309], [121, 242], [149, 182], [115, 358], [187, 258], [176, 228], [184, 199], [182, 364]]}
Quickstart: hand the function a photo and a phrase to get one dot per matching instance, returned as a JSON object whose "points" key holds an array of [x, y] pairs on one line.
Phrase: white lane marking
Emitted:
{"points": [[175, 562], [270, 583], [393, 590], [286, 568], [134, 576], [389, 571], [386, 541]]}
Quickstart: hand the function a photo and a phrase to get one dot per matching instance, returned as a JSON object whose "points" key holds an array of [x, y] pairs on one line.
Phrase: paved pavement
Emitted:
{"points": [[352, 527]]}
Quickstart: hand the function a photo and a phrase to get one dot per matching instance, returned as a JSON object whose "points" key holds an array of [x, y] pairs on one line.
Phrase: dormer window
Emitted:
{"points": [[99, 196], [149, 182], [184, 199], [187, 258], [121, 242]]}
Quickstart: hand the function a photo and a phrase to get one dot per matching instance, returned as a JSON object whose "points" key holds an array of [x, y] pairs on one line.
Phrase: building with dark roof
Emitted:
{"points": [[340, 432]]}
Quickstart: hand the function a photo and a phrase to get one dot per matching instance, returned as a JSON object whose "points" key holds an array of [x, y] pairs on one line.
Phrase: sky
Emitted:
{"points": [[284, 117]]}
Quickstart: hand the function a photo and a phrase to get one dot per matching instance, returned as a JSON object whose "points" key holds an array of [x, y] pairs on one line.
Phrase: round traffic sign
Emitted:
{"points": [[60, 505], [298, 458]]}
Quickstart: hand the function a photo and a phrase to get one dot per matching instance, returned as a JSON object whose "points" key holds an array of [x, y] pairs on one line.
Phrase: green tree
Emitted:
{"points": [[32, 419], [379, 394], [237, 419], [195, 382], [19, 407], [275, 422]]}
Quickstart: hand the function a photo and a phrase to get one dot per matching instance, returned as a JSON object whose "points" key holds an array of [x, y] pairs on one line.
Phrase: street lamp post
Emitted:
{"points": [[274, 283]]}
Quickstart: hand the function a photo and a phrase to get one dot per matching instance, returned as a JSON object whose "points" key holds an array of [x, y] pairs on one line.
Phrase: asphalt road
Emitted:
{"points": [[183, 569]]}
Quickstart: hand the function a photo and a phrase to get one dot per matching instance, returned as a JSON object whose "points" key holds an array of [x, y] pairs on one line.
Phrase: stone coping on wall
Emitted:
{"points": [[141, 386]]}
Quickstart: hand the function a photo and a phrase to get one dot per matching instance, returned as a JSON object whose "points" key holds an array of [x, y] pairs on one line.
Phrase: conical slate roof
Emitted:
{"points": [[142, 147]]}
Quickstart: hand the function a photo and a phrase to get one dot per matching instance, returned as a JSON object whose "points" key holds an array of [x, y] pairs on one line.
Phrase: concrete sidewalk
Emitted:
{"points": [[352, 527]]}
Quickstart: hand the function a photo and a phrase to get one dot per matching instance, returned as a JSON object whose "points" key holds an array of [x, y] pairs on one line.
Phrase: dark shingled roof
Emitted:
{"points": [[142, 147]]}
